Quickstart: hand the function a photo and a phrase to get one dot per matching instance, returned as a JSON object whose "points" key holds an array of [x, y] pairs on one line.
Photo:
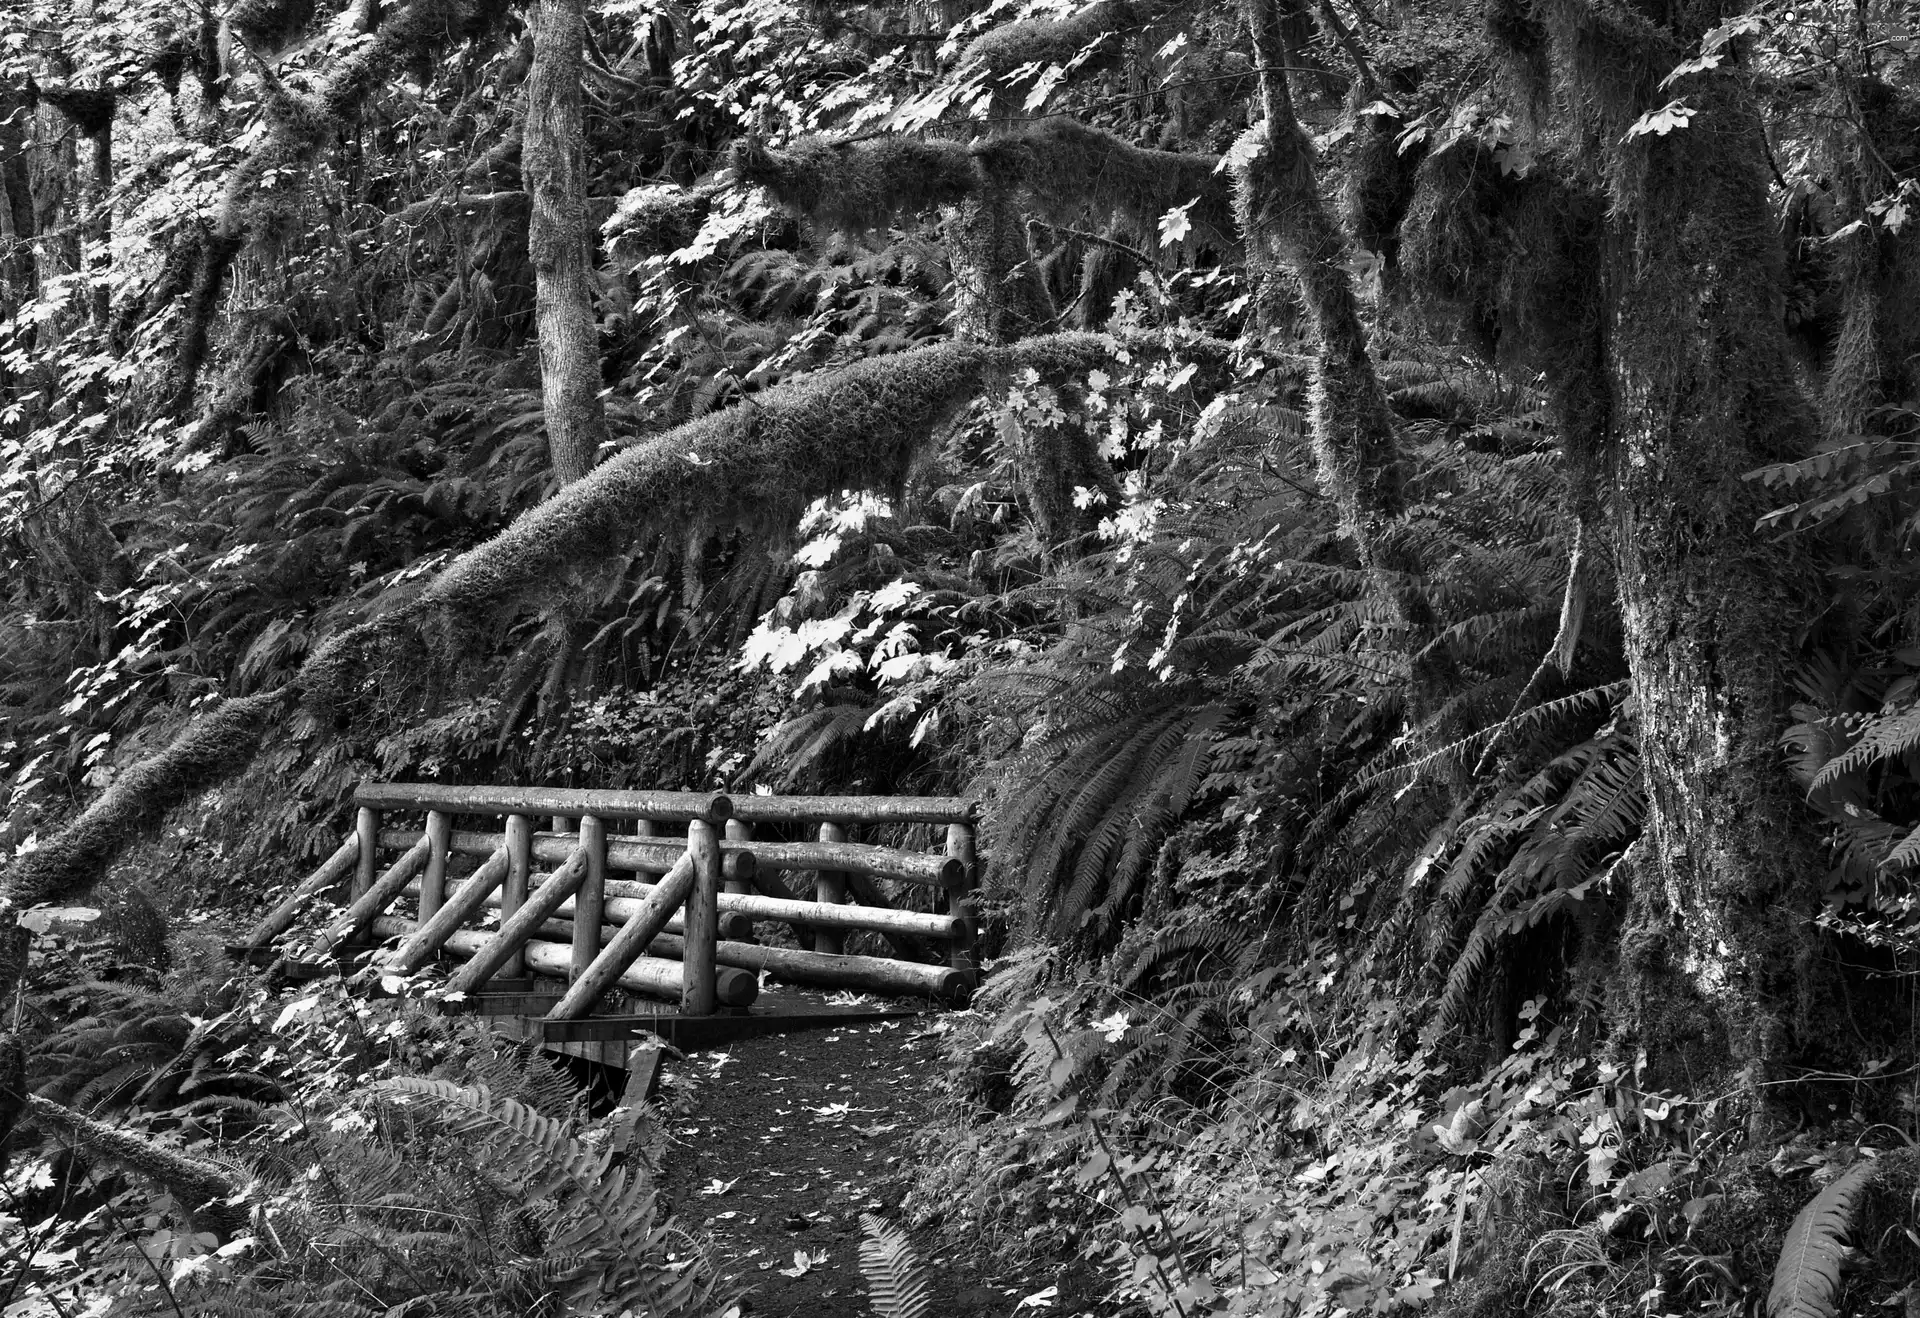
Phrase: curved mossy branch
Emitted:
{"points": [[202, 1189], [1043, 42], [298, 126], [1064, 167], [1060, 168], [761, 461], [999, 297], [860, 427], [864, 183]]}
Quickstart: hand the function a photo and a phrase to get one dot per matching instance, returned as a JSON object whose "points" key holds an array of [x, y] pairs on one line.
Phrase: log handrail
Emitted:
{"points": [[655, 976], [514, 931], [712, 807], [370, 903], [857, 809], [572, 802], [623, 897], [617, 953], [335, 868], [461, 904], [633, 855]]}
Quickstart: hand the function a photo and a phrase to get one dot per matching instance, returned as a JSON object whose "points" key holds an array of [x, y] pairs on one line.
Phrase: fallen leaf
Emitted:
{"points": [[803, 1263]]}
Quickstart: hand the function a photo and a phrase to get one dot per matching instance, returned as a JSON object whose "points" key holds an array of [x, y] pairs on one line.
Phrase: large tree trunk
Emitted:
{"points": [[560, 241], [1720, 951]]}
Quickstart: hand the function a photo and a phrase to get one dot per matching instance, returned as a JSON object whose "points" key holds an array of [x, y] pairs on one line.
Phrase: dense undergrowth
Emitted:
{"points": [[1322, 861]]}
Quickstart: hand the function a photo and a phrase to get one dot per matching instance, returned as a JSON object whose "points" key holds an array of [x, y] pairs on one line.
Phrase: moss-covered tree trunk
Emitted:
{"points": [[1291, 232], [560, 240], [1720, 953]]}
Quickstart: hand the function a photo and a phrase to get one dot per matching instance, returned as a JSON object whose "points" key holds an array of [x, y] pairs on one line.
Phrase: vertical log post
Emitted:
{"points": [[830, 889], [514, 891], [961, 954], [733, 870], [699, 994], [433, 879], [562, 824], [367, 827], [589, 903]]}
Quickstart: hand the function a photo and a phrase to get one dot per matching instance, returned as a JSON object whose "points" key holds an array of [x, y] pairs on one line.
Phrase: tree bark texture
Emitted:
{"points": [[1290, 231], [1703, 393], [560, 240]]}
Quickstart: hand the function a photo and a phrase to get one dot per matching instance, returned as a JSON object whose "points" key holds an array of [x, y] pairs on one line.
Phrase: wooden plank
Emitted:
{"points": [[643, 1076], [502, 1004], [606, 1053], [711, 806]]}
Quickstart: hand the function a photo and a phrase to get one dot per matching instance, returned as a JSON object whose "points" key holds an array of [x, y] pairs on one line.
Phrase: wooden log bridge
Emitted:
{"points": [[701, 878]]}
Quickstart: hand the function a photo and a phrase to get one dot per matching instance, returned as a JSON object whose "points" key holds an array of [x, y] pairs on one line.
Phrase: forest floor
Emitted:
{"points": [[789, 1139]]}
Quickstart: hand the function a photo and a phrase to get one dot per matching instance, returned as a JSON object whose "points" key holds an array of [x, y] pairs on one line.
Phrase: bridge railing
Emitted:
{"points": [[679, 922]]}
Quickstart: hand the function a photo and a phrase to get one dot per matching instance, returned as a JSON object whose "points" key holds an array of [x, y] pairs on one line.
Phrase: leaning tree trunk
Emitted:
{"points": [[560, 241], [1720, 953], [1290, 231]]}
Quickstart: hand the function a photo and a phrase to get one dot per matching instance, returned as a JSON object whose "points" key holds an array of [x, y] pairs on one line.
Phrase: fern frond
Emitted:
{"points": [[1806, 1280], [897, 1280], [1885, 738]]}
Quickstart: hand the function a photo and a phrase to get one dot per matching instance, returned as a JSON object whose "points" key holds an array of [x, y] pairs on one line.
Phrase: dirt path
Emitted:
{"points": [[792, 1138]]}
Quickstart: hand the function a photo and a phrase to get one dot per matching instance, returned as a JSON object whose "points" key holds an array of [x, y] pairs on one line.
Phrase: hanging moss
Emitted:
{"points": [[213, 260], [1208, 90], [1380, 183], [1290, 231], [90, 108], [299, 125], [1066, 167], [863, 184], [170, 59], [1876, 272], [269, 26], [1515, 259], [1058, 40]]}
